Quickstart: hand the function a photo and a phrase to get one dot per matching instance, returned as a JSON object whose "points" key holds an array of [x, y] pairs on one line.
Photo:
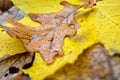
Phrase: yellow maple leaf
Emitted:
{"points": [[98, 24], [105, 18]]}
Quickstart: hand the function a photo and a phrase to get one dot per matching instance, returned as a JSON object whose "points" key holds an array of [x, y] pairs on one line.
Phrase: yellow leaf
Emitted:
{"points": [[98, 24], [106, 21], [41, 6], [38, 5]]}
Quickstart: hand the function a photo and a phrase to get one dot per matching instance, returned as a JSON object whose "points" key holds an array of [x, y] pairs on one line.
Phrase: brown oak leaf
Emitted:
{"points": [[48, 39]]}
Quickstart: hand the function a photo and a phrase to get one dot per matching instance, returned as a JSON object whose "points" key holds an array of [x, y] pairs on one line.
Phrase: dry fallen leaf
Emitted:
{"points": [[9, 65], [48, 39], [60, 22], [14, 73]]}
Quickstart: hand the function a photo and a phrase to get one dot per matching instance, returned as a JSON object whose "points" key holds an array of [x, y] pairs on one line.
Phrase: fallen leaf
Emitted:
{"points": [[48, 39], [11, 64], [60, 24], [14, 73], [105, 18]]}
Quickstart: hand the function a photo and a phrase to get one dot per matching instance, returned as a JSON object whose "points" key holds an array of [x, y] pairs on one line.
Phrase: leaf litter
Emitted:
{"points": [[89, 22]]}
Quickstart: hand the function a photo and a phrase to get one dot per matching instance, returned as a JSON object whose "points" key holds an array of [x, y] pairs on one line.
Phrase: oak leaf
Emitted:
{"points": [[46, 40]]}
